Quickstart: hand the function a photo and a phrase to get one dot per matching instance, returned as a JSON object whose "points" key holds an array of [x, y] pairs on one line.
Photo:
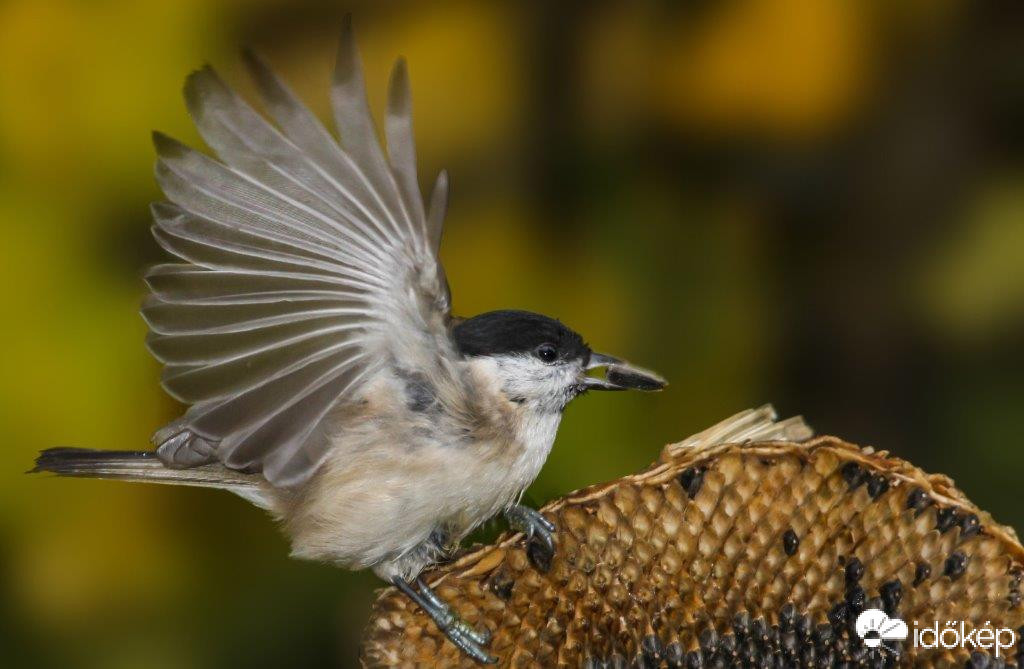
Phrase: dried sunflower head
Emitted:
{"points": [[749, 544]]}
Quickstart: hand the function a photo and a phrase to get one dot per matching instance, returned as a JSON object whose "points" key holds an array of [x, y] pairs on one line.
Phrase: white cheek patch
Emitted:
{"points": [[525, 379]]}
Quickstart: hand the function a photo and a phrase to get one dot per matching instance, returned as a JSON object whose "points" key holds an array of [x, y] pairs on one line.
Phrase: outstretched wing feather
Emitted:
{"points": [[306, 266], [182, 283]]}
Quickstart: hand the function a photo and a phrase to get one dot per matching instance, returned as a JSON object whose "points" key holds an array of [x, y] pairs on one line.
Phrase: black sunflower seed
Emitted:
{"points": [[946, 519], [854, 571], [692, 479], [970, 525], [853, 474], [673, 654], [651, 647], [918, 500], [787, 616], [877, 485], [922, 573], [790, 542], [892, 593], [839, 615], [855, 598], [956, 565]]}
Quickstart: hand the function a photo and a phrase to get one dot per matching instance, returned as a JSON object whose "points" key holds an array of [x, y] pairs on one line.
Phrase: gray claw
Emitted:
{"points": [[460, 633], [481, 637], [538, 530], [470, 647]]}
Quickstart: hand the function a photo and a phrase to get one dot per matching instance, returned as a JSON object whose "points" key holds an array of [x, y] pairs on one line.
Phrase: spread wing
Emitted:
{"points": [[307, 264]]}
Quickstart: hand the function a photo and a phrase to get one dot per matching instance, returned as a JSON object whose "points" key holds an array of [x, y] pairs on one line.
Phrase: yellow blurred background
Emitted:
{"points": [[819, 204]]}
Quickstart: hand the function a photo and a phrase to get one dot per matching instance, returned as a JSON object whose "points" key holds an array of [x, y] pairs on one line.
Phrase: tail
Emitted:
{"points": [[145, 466]]}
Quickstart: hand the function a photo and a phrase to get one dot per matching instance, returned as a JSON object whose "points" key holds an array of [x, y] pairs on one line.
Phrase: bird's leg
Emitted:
{"points": [[539, 532], [465, 638]]}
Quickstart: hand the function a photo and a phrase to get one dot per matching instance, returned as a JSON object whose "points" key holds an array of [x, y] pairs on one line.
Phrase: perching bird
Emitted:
{"points": [[307, 325]]}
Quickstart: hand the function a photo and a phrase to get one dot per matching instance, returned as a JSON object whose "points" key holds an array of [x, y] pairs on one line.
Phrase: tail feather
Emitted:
{"points": [[145, 466]]}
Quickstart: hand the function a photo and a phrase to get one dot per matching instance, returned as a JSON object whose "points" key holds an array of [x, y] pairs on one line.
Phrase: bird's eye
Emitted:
{"points": [[547, 352]]}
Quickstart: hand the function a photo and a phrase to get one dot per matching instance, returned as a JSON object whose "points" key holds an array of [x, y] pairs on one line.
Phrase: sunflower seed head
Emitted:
{"points": [[770, 559]]}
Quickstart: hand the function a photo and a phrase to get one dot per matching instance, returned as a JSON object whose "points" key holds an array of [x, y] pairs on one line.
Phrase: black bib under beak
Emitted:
{"points": [[620, 375]]}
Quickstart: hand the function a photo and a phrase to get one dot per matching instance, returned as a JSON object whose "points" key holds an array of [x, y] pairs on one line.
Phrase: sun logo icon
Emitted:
{"points": [[877, 628]]}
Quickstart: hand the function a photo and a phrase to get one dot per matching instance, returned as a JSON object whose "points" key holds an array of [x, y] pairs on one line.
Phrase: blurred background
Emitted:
{"points": [[817, 204]]}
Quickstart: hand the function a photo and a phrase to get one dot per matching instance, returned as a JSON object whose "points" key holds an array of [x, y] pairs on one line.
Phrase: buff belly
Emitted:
{"points": [[396, 509]]}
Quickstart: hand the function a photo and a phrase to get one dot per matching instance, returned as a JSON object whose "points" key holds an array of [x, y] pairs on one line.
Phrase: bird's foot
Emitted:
{"points": [[467, 639], [539, 532]]}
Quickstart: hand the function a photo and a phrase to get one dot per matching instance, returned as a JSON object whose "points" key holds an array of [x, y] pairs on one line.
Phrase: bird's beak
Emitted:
{"points": [[620, 375]]}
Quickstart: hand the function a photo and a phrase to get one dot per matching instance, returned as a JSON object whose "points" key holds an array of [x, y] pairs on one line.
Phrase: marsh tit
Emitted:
{"points": [[306, 323]]}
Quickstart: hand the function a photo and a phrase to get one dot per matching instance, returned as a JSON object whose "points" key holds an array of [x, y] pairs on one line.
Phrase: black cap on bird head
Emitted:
{"points": [[510, 332]]}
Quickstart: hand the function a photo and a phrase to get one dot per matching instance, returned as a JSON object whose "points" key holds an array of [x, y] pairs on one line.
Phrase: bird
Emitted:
{"points": [[306, 324]]}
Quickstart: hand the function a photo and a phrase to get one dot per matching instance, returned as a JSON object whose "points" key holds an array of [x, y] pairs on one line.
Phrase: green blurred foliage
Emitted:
{"points": [[816, 204]]}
